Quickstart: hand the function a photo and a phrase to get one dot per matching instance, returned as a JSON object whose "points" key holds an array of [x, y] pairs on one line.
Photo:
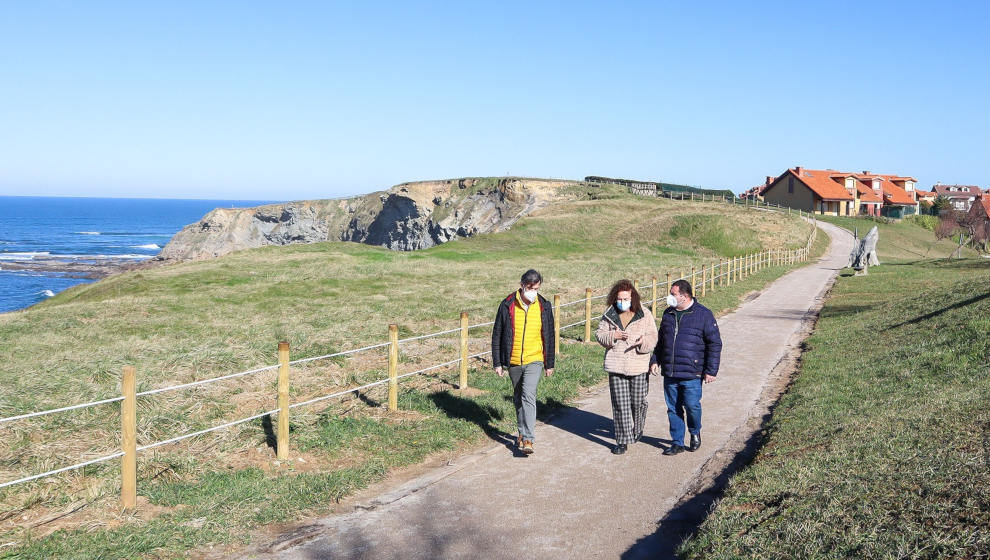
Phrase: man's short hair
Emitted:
{"points": [[530, 277], [683, 287]]}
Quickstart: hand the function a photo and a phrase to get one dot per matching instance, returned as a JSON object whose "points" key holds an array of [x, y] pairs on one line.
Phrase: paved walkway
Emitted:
{"points": [[573, 498]]}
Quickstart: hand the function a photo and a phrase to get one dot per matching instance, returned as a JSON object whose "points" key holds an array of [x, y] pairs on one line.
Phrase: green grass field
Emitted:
{"points": [[197, 320], [881, 448]]}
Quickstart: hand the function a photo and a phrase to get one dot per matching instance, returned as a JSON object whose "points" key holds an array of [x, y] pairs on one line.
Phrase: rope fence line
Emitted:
{"points": [[731, 269], [207, 430], [335, 354], [412, 338], [203, 382], [63, 469], [63, 409]]}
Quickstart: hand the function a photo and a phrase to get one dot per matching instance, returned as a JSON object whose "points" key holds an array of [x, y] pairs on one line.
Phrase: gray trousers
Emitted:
{"points": [[524, 381]]}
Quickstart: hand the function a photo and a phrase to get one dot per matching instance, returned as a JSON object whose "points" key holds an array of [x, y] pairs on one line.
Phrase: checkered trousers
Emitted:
{"points": [[628, 405]]}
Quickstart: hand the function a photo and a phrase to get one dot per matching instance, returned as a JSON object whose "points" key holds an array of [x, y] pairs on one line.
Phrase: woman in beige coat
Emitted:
{"points": [[628, 332]]}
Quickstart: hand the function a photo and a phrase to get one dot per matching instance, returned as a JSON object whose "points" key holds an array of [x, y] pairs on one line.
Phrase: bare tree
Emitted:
{"points": [[972, 229]]}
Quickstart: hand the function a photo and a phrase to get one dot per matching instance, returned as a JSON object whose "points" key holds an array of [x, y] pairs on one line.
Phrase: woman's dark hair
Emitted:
{"points": [[624, 286]]}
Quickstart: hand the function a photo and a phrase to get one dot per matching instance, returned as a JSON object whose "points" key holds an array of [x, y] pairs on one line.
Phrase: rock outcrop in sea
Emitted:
{"points": [[406, 217]]}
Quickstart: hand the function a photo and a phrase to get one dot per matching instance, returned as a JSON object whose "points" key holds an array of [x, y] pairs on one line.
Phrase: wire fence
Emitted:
{"points": [[723, 273]]}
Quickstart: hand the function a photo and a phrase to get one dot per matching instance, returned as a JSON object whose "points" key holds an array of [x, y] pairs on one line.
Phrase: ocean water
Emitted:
{"points": [[85, 230]]}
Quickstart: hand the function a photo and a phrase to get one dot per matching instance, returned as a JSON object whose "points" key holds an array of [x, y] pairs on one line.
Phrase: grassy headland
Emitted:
{"points": [[201, 319], [881, 447]]}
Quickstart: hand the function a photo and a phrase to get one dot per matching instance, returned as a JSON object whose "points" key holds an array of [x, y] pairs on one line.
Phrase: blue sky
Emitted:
{"points": [[291, 100]]}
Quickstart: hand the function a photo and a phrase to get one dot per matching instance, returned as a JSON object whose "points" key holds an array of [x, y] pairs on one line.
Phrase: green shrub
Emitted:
{"points": [[927, 222]]}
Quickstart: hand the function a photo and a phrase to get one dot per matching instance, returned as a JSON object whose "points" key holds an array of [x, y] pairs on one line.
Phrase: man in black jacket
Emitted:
{"points": [[523, 348], [688, 351]]}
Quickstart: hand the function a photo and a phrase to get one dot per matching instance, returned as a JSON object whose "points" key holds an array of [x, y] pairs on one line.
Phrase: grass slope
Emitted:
{"points": [[881, 448], [201, 319]]}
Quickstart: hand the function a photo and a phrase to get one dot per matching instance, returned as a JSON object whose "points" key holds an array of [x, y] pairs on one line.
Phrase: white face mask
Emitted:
{"points": [[671, 300], [623, 305], [529, 295]]}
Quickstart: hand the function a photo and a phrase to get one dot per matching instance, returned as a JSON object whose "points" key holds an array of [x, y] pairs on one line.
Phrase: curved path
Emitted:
{"points": [[573, 498]]}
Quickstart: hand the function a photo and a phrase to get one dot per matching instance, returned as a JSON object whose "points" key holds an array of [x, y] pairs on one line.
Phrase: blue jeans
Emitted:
{"points": [[682, 395]]}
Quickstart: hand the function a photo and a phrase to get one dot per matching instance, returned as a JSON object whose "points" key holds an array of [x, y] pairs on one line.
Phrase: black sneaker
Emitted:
{"points": [[695, 442], [674, 449], [619, 449]]}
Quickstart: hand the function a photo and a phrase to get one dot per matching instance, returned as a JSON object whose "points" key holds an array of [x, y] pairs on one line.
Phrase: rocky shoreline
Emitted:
{"points": [[90, 269]]}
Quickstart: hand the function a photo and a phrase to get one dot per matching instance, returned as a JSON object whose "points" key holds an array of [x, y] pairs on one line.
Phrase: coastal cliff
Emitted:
{"points": [[405, 217]]}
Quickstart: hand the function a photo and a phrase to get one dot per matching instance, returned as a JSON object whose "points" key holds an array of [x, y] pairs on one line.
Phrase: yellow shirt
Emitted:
{"points": [[527, 338]]}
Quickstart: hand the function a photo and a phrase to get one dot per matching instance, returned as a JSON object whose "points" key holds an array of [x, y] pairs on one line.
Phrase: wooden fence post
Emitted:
{"points": [[587, 314], [704, 280], [694, 277], [654, 308], [282, 443], [128, 440], [393, 367], [464, 351], [556, 324]]}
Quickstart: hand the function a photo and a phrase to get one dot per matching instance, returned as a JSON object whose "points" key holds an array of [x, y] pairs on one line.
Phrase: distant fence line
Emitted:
{"points": [[722, 273]]}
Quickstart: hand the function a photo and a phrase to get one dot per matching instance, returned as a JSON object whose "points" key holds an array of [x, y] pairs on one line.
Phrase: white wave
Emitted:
{"points": [[88, 232], [148, 246], [25, 256], [46, 293]]}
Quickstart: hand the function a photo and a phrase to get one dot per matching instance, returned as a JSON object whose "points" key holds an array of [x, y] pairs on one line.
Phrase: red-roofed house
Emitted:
{"points": [[756, 193], [898, 193], [841, 193], [926, 196], [961, 197]]}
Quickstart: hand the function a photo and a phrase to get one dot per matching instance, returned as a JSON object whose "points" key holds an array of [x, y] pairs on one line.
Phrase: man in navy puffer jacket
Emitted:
{"points": [[688, 351]]}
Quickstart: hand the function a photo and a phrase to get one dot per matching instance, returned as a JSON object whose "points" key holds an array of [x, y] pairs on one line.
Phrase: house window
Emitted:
{"points": [[790, 185]]}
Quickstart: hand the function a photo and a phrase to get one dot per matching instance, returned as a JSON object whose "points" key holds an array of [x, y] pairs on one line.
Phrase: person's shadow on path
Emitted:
{"points": [[590, 426], [466, 409], [552, 412]]}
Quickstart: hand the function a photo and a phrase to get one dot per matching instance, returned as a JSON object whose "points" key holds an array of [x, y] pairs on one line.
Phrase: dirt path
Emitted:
{"points": [[573, 498]]}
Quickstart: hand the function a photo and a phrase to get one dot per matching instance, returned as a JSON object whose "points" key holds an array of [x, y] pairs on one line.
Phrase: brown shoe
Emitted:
{"points": [[527, 447]]}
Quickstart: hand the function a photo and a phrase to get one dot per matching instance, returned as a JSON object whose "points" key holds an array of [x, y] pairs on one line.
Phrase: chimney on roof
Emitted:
{"points": [[866, 172], [797, 170], [770, 179]]}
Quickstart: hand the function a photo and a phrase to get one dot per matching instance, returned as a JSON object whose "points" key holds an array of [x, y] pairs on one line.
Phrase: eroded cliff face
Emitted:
{"points": [[406, 217]]}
